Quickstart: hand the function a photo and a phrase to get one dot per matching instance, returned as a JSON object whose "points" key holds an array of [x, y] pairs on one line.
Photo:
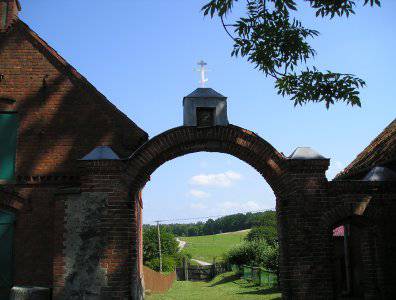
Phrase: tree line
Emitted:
{"points": [[224, 224]]}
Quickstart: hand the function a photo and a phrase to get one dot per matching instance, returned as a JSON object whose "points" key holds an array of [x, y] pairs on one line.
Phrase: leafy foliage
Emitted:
{"points": [[268, 234], [181, 256], [254, 254], [277, 44], [169, 246], [168, 264]]}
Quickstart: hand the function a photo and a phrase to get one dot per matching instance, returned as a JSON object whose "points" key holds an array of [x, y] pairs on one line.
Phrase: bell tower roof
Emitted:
{"points": [[205, 93]]}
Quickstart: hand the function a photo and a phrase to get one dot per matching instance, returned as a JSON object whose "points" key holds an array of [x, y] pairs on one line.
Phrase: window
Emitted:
{"points": [[3, 14], [205, 116], [8, 136]]}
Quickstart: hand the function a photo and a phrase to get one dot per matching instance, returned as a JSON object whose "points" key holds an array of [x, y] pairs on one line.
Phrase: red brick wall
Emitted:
{"points": [[62, 118], [109, 177]]}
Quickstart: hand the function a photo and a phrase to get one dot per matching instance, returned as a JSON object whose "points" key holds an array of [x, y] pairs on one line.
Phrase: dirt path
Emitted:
{"points": [[182, 244], [201, 263]]}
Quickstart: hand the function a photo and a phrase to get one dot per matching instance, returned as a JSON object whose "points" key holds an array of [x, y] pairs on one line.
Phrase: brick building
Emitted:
{"points": [[72, 167], [50, 117], [368, 242]]}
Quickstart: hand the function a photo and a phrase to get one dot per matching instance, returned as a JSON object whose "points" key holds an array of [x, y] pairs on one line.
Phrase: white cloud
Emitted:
{"points": [[198, 206], [199, 194], [219, 180], [334, 168], [227, 207]]}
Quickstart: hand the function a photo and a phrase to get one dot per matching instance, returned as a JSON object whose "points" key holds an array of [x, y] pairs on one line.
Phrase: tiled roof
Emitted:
{"points": [[380, 152]]}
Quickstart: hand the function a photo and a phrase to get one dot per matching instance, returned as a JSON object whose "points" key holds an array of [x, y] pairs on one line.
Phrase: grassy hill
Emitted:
{"points": [[207, 247], [225, 286]]}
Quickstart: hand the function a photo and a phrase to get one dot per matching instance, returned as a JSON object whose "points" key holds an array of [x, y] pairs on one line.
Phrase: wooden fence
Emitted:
{"points": [[200, 273], [155, 282]]}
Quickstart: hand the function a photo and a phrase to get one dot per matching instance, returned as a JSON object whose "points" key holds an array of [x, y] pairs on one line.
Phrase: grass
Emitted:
{"points": [[226, 286], [207, 247]]}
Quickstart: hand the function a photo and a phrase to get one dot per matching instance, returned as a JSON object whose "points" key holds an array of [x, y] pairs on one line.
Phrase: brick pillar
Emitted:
{"points": [[107, 177], [9, 10], [305, 271], [96, 235], [137, 280]]}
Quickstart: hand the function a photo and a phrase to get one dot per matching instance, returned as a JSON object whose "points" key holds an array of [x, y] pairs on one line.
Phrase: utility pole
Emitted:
{"points": [[159, 245]]}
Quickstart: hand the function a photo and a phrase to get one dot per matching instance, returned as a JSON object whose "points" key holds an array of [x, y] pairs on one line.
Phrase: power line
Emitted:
{"points": [[159, 246], [204, 217]]}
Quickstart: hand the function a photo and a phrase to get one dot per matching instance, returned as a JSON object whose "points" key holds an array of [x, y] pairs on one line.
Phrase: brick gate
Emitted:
{"points": [[299, 184]]}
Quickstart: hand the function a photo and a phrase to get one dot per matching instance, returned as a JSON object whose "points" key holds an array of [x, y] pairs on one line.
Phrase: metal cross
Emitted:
{"points": [[202, 70]]}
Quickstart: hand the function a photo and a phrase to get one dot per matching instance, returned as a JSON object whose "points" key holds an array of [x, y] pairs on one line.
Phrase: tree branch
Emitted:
{"points": [[225, 28]]}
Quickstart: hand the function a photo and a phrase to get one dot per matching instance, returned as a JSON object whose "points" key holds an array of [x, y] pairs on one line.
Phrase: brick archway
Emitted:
{"points": [[233, 140], [299, 184]]}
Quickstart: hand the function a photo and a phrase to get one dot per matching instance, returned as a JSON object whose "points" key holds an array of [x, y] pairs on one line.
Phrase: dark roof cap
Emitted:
{"points": [[205, 93], [101, 153], [305, 153]]}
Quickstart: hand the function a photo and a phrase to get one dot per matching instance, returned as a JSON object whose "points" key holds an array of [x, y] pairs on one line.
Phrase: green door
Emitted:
{"points": [[6, 260]]}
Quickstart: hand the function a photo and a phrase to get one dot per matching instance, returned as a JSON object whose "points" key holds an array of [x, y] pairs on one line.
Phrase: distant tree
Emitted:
{"points": [[224, 224], [269, 234], [277, 44], [266, 218], [209, 227], [169, 245]]}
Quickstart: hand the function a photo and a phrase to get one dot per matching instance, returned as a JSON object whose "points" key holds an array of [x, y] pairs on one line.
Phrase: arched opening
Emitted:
{"points": [[220, 213], [204, 194], [238, 142], [205, 185]]}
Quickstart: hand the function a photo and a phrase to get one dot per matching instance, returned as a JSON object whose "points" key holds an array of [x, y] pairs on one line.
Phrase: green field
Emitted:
{"points": [[207, 247], [226, 286]]}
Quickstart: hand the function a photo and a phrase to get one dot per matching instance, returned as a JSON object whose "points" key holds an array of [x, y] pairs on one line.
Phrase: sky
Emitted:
{"points": [[141, 55]]}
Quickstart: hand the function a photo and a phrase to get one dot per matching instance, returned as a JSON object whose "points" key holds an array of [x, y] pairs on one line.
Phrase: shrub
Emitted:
{"points": [[181, 256], [268, 234], [169, 246], [241, 255], [168, 264], [258, 254]]}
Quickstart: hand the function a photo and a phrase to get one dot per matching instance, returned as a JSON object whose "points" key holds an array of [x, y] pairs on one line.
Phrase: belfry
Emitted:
{"points": [[204, 107]]}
